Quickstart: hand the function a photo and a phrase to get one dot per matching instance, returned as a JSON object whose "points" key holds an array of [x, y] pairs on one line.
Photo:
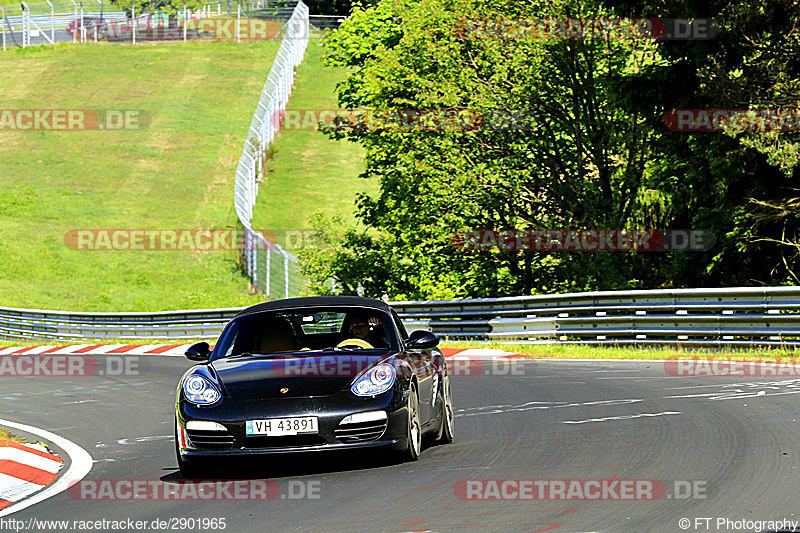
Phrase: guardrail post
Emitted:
{"points": [[96, 30], [25, 29], [2, 26], [52, 21], [75, 35]]}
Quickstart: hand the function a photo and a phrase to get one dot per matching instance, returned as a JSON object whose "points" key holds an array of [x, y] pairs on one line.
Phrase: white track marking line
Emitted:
{"points": [[621, 417], [80, 465], [740, 384], [145, 439], [30, 459], [531, 406]]}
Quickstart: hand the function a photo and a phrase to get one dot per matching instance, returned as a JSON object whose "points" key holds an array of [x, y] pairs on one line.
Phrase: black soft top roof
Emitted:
{"points": [[314, 301]]}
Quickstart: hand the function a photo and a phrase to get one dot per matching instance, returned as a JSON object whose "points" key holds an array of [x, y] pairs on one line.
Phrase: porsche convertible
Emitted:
{"points": [[308, 375]]}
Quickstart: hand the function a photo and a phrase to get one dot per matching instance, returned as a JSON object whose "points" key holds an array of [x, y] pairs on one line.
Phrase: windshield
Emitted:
{"points": [[313, 329]]}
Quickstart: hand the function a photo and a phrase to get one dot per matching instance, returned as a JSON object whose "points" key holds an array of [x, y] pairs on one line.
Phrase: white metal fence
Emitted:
{"points": [[61, 21], [272, 269]]}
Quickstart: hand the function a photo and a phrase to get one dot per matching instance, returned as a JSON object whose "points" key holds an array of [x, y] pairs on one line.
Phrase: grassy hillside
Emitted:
{"points": [[177, 173], [311, 172]]}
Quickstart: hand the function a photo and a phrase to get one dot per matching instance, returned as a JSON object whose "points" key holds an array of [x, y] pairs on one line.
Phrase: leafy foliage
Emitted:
{"points": [[591, 152]]}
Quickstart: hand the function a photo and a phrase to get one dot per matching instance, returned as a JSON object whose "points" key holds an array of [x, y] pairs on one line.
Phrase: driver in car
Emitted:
{"points": [[369, 328]]}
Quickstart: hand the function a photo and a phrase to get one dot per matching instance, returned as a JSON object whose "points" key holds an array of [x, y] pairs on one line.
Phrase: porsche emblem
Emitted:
{"points": [[284, 390]]}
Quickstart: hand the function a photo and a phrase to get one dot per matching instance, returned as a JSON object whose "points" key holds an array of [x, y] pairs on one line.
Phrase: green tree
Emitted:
{"points": [[594, 154]]}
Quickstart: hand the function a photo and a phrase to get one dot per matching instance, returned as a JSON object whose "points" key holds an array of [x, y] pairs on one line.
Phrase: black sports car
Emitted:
{"points": [[312, 374]]}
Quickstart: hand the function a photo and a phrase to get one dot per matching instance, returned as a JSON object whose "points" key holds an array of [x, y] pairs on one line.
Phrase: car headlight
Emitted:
{"points": [[376, 381], [200, 391]]}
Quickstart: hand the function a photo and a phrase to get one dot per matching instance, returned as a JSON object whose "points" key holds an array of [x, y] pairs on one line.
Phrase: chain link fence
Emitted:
{"points": [[272, 269]]}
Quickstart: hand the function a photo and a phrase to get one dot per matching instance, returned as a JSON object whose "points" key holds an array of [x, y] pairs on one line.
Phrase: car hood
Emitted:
{"points": [[265, 377]]}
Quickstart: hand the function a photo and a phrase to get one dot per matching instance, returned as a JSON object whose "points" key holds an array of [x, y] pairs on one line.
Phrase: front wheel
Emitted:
{"points": [[414, 432], [446, 431]]}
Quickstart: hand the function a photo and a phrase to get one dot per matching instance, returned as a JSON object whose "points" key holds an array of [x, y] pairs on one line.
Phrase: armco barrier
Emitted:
{"points": [[744, 316], [61, 325]]}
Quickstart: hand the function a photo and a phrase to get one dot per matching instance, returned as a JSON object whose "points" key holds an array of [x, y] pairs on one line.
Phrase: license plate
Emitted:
{"points": [[279, 427]]}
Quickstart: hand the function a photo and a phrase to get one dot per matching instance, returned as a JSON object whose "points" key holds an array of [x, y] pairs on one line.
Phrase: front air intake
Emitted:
{"points": [[361, 427]]}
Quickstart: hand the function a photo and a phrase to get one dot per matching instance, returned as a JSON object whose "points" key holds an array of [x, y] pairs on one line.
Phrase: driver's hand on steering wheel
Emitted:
{"points": [[361, 329]]}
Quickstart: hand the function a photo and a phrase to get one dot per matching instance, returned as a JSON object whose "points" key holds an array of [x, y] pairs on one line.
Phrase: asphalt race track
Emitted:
{"points": [[723, 447]]}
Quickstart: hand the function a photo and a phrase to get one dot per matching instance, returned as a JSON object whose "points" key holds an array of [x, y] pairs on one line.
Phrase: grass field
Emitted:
{"points": [[311, 172], [175, 174]]}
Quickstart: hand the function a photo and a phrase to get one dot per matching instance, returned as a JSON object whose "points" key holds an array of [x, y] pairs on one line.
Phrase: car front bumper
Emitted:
{"points": [[329, 410]]}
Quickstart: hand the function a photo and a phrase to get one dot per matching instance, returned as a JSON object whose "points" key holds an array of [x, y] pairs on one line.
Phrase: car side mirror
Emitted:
{"points": [[198, 352], [422, 340]]}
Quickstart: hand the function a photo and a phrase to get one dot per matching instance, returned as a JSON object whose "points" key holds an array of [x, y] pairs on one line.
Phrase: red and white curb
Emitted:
{"points": [[483, 354], [80, 463], [25, 469], [98, 349]]}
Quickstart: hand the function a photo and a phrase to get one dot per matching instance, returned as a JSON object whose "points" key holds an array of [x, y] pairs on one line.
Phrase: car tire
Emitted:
{"points": [[446, 430], [414, 431]]}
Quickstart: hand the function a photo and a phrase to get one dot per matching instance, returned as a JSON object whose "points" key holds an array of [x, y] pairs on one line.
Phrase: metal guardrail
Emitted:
{"points": [[738, 317], [68, 326], [750, 316], [60, 20]]}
